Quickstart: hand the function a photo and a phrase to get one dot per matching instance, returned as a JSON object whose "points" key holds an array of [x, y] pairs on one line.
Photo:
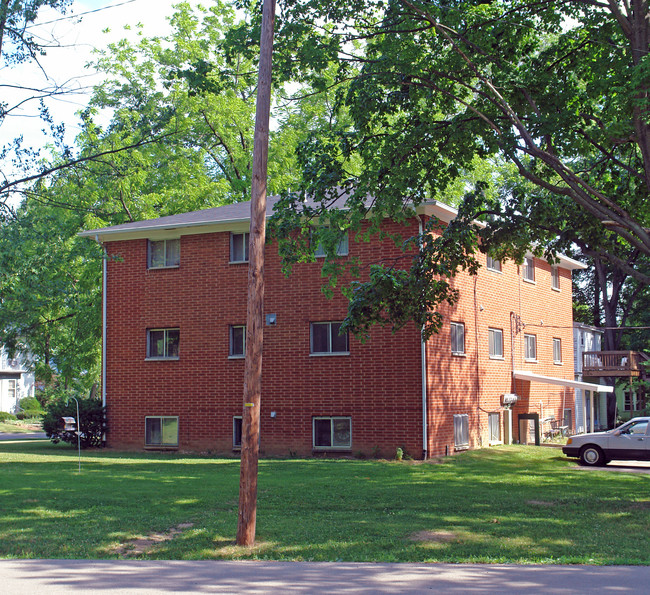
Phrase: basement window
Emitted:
{"points": [[332, 432], [161, 431]]}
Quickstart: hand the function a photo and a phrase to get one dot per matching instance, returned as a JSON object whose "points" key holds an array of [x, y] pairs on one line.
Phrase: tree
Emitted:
{"points": [[558, 91]]}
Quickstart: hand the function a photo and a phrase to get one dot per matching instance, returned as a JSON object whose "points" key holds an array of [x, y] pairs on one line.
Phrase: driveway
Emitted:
{"points": [[135, 577], [622, 467]]}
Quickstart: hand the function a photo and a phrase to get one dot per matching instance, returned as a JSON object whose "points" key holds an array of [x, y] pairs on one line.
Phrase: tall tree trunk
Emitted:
{"points": [[255, 316]]}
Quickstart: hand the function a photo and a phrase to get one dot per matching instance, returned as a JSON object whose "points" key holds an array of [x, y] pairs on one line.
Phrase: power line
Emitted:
{"points": [[75, 16]]}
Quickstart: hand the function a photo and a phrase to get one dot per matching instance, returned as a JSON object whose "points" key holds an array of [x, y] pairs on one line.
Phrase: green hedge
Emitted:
{"points": [[5, 416]]}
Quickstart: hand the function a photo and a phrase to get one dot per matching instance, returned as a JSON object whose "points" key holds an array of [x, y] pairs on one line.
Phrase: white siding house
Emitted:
{"points": [[16, 380]]}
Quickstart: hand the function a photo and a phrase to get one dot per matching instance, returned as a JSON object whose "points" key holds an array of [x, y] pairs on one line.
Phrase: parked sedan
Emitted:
{"points": [[631, 441]]}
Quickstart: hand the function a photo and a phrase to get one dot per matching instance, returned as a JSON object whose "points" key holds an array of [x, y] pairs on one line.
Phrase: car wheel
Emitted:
{"points": [[592, 456]]}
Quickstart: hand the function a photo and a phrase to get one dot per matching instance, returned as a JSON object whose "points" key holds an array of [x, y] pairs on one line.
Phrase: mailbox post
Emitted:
{"points": [[70, 424]]}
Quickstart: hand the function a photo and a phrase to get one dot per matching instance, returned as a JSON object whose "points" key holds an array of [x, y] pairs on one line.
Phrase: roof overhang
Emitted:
{"points": [[532, 377]]}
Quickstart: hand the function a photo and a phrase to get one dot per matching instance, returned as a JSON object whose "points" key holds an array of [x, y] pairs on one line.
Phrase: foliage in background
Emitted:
{"points": [[92, 425]]}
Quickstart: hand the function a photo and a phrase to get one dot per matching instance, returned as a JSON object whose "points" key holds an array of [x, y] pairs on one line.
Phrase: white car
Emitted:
{"points": [[631, 441]]}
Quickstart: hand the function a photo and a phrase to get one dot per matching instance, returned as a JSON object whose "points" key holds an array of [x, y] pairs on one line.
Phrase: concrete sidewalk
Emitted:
{"points": [[122, 577]]}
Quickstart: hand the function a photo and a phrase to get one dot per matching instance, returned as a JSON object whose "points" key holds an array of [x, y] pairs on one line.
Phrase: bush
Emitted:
{"points": [[92, 426], [29, 408], [4, 416]]}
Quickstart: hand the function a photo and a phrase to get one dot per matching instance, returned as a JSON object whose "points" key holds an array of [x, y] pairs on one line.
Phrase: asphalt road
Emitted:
{"points": [[108, 577], [34, 436]]}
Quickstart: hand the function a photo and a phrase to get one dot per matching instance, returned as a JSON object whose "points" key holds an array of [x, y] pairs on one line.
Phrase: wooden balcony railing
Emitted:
{"points": [[613, 363]]}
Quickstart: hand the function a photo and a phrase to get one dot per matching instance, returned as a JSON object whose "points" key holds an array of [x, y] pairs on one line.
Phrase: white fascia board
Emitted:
{"points": [[532, 377]]}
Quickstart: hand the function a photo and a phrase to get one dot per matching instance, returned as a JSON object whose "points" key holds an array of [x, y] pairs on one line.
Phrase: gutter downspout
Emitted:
{"points": [[104, 271], [423, 353]]}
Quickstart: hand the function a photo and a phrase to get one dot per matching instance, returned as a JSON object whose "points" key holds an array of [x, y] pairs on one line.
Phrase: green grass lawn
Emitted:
{"points": [[509, 504]]}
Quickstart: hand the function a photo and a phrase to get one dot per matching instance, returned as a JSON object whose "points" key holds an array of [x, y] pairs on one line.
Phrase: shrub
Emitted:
{"points": [[5, 416], [29, 408], [92, 425]]}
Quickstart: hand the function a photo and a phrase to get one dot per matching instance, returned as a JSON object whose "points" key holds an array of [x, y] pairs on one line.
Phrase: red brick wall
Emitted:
{"points": [[378, 384]]}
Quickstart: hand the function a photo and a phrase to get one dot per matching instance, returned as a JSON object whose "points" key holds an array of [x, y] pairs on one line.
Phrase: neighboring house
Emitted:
{"points": [[16, 381], [599, 410], [174, 343]]}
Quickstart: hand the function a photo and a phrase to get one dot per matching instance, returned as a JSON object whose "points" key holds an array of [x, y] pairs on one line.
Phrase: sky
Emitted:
{"points": [[74, 41]]}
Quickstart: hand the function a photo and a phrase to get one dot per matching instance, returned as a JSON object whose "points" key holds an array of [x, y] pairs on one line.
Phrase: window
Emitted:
{"points": [[341, 248], [236, 431], [555, 278], [493, 264], [567, 420], [557, 351], [325, 338], [494, 427], [457, 338], [163, 343], [237, 341], [11, 391], [239, 247], [161, 431], [332, 432], [164, 254], [530, 348], [495, 337], [529, 269], [461, 431], [629, 401]]}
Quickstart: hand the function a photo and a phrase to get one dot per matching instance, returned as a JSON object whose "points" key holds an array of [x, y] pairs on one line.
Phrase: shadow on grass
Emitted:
{"points": [[520, 504]]}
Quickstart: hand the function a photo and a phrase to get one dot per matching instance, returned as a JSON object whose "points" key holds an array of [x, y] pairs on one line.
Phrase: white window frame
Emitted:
{"points": [[530, 348], [495, 332], [231, 341], [557, 350], [245, 238], [493, 264], [457, 337], [165, 355], [528, 269], [12, 392], [329, 340], [461, 431], [331, 419], [162, 443], [555, 278], [167, 252], [342, 248]]}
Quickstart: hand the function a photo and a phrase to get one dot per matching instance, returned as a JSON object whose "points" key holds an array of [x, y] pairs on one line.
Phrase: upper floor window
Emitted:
{"points": [[529, 269], [493, 264], [164, 253], [341, 248], [495, 336], [530, 348], [237, 341], [555, 278], [457, 338], [163, 343], [325, 338], [557, 351], [239, 247]]}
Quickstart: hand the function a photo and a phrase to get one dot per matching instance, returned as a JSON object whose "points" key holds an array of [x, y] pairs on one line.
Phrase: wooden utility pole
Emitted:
{"points": [[255, 316]]}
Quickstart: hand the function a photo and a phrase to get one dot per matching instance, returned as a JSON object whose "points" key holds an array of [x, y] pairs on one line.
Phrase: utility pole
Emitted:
{"points": [[255, 315]]}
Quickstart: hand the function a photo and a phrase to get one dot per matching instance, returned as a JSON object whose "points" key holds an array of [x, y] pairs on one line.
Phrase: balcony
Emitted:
{"points": [[614, 363]]}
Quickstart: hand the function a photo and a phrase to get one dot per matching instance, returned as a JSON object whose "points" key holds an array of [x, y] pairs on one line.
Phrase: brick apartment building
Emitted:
{"points": [[174, 316]]}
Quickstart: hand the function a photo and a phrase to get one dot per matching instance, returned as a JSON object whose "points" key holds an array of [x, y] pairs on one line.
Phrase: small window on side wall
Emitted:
{"points": [[239, 247], [555, 278], [237, 341], [457, 338], [557, 351], [161, 431], [495, 337], [332, 432], [325, 339], [163, 343], [493, 264], [164, 254], [494, 426], [461, 430], [530, 348], [529, 269]]}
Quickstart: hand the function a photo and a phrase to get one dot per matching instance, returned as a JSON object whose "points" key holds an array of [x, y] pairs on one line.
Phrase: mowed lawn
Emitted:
{"points": [[509, 504]]}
